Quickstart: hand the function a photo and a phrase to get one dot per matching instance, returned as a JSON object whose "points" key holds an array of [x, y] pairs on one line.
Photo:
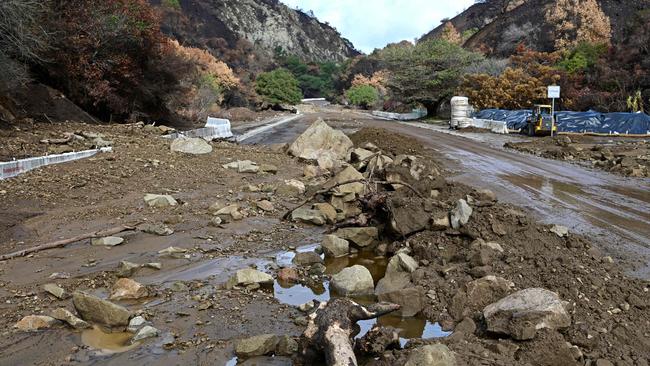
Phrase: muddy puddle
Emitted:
{"points": [[105, 343]]}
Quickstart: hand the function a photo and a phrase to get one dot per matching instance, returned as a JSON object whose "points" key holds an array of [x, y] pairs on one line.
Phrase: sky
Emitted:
{"points": [[371, 24]]}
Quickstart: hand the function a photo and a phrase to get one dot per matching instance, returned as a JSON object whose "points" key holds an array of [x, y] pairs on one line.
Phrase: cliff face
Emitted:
{"points": [[259, 27], [498, 26]]}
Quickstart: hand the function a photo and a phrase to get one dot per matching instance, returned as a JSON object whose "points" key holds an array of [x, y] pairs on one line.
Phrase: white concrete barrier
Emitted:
{"points": [[13, 168], [416, 114], [492, 125], [215, 128]]}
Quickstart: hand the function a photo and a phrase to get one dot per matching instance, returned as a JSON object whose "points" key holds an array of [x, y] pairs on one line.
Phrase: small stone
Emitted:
{"points": [[603, 362], [128, 289], [292, 187], [159, 200], [317, 269], [145, 332], [431, 355], [156, 229], [269, 168], [361, 236], [287, 346], [194, 146], [216, 221], [608, 260], [265, 206], [56, 291], [249, 276], [136, 323], [307, 307], [32, 323], [288, 275], [460, 214], [560, 231], [69, 318], [327, 210], [127, 269], [109, 241], [308, 216]]}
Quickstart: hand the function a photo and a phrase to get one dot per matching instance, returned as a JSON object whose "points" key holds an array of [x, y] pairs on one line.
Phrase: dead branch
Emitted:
{"points": [[64, 242], [332, 328]]}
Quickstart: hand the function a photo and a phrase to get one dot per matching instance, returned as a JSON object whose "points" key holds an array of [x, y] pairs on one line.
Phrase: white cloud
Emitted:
{"points": [[371, 24]]}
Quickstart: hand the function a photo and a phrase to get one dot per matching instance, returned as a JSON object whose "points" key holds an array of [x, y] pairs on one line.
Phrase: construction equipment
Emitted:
{"points": [[542, 121]]}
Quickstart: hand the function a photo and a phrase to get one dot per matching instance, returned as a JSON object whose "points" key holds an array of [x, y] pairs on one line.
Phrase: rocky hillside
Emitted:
{"points": [[261, 27], [498, 26]]}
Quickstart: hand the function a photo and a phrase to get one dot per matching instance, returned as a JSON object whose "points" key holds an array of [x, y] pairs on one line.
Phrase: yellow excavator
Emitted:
{"points": [[542, 121]]}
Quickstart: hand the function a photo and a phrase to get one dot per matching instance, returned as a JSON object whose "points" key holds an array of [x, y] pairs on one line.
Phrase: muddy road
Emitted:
{"points": [[612, 210]]}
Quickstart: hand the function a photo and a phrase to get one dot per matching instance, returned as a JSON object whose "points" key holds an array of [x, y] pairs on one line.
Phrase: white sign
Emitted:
{"points": [[553, 92]]}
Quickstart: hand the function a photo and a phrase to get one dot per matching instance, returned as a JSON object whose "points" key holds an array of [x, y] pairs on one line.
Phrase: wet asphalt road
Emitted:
{"points": [[612, 210]]}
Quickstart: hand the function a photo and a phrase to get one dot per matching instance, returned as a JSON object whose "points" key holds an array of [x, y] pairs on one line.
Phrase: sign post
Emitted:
{"points": [[553, 93]]}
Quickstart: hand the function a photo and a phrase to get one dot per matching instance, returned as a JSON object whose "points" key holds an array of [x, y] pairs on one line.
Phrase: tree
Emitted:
{"points": [[427, 73], [278, 86], [362, 95], [450, 34], [578, 21]]}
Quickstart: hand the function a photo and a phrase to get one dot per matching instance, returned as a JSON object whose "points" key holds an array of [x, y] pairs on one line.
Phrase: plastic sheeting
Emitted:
{"points": [[13, 168], [591, 121]]}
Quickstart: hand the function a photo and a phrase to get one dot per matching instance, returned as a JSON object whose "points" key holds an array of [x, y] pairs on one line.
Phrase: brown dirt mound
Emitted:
{"points": [[387, 141]]}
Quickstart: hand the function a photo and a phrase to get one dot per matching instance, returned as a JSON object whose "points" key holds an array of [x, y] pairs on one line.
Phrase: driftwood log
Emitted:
{"points": [[332, 328]]}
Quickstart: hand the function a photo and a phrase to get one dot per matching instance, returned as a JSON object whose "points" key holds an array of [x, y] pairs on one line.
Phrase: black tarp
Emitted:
{"points": [[591, 121]]}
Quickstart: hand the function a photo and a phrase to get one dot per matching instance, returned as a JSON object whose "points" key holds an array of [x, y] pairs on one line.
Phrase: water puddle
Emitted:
{"points": [[297, 294], [107, 343]]}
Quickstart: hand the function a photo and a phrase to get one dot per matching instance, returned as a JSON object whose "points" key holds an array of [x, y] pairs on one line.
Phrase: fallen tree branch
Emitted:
{"points": [[64, 242], [332, 328], [365, 181]]}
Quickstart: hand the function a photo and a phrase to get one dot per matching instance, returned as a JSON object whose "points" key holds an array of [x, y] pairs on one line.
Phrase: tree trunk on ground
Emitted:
{"points": [[332, 328]]}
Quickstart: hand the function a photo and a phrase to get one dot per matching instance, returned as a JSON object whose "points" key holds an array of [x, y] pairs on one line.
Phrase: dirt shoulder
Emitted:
{"points": [[628, 157]]}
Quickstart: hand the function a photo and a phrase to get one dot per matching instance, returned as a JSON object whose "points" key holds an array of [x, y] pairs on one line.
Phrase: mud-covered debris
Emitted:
{"points": [[32, 323], [408, 215], [353, 281], [66, 316], [460, 214], [108, 241], [335, 247], [136, 323], [560, 230], [194, 146], [159, 200], [128, 289], [432, 355], [523, 313], [249, 276], [320, 139], [377, 341], [306, 258], [361, 236], [477, 294], [92, 308], [260, 345], [56, 291]]}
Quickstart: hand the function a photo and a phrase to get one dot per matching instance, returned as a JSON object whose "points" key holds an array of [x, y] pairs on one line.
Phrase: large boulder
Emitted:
{"points": [[320, 139], [348, 174], [92, 308], [353, 281], [306, 258], [32, 323], [256, 346], [195, 146], [309, 216], [521, 314], [66, 316], [361, 236], [401, 262], [411, 300], [408, 215], [392, 282], [475, 295], [431, 355], [335, 247], [159, 200]]}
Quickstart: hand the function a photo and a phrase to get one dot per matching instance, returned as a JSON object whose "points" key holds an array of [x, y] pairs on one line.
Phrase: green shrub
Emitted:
{"points": [[584, 56], [174, 4], [362, 95], [278, 86]]}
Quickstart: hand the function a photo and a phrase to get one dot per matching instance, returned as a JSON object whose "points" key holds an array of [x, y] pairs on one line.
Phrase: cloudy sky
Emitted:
{"points": [[371, 24]]}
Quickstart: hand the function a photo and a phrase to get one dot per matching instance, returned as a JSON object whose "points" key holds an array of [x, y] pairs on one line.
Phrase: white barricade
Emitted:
{"points": [[492, 125], [215, 128], [13, 168]]}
